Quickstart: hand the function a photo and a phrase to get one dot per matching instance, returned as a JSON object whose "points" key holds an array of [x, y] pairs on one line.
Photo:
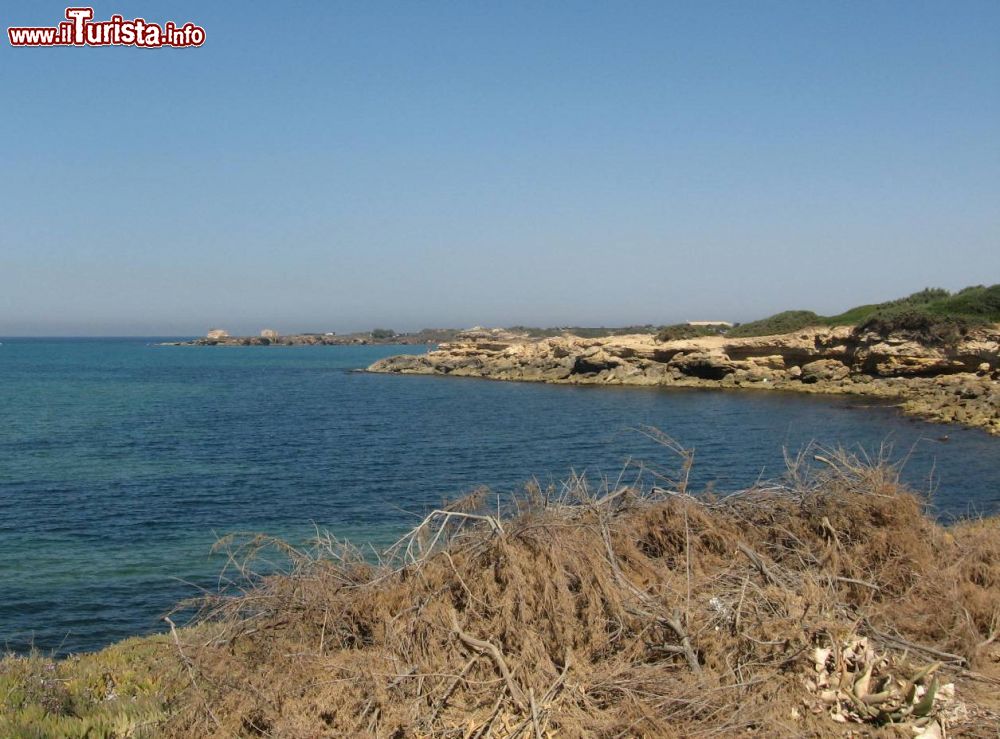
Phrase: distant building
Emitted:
{"points": [[268, 333], [725, 324], [217, 333]]}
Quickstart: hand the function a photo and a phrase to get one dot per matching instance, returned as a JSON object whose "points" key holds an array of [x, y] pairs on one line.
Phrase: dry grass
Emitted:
{"points": [[630, 610]]}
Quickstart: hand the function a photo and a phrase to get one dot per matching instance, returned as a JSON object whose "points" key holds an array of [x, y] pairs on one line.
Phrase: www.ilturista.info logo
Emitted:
{"points": [[80, 29]]}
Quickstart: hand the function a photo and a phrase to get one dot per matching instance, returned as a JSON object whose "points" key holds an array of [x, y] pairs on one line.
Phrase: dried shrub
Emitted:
{"points": [[628, 610]]}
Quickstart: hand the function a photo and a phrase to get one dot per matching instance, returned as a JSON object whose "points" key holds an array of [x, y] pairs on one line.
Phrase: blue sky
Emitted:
{"points": [[344, 165]]}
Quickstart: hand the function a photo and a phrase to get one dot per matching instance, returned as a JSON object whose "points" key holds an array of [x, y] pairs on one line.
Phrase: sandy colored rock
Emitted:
{"points": [[823, 370], [954, 384]]}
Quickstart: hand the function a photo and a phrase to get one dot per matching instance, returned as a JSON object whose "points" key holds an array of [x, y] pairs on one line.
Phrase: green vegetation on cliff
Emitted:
{"points": [[933, 313], [974, 302], [779, 323], [678, 331]]}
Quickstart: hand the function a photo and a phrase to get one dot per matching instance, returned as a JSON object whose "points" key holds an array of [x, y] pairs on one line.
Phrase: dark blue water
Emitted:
{"points": [[121, 462]]}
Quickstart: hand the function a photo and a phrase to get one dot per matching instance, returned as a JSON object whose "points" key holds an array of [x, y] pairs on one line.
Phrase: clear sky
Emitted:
{"points": [[342, 165]]}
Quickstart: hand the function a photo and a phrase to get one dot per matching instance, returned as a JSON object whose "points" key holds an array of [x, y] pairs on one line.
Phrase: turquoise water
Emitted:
{"points": [[121, 462]]}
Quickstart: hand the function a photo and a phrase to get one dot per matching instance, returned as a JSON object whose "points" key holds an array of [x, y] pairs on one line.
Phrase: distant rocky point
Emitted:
{"points": [[270, 337]]}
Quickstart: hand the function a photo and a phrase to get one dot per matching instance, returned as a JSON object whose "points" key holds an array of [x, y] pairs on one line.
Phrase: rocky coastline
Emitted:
{"points": [[954, 383]]}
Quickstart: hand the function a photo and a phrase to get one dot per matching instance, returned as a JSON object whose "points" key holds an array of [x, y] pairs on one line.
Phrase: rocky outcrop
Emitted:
{"points": [[959, 383], [823, 370]]}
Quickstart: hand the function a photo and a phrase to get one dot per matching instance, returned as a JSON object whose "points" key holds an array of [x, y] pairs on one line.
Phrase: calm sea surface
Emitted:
{"points": [[121, 462]]}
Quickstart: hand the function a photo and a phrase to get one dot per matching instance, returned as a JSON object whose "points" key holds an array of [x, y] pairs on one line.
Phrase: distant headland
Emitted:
{"points": [[271, 337]]}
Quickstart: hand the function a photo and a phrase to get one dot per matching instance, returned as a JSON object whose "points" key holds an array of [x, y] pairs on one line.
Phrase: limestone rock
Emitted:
{"points": [[823, 369], [915, 366], [704, 365], [953, 384]]}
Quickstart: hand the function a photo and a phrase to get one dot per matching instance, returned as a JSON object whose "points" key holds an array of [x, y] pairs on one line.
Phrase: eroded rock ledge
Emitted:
{"points": [[958, 383]]}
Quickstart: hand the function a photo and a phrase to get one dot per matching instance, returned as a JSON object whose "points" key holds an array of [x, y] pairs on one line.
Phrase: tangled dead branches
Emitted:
{"points": [[632, 609]]}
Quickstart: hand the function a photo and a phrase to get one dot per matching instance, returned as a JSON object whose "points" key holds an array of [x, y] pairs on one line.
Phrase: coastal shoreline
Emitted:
{"points": [[957, 384]]}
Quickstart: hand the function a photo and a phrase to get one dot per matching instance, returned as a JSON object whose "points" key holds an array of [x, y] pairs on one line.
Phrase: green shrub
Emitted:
{"points": [[678, 331], [917, 324], [978, 302], [931, 315], [862, 313], [934, 315], [122, 691], [780, 323]]}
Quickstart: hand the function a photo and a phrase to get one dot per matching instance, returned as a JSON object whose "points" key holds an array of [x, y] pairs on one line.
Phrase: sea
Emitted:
{"points": [[122, 462]]}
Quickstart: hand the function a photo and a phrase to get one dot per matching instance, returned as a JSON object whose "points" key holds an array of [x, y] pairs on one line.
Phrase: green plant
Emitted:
{"points": [[780, 323], [932, 314], [119, 692], [678, 331], [973, 302], [917, 324]]}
